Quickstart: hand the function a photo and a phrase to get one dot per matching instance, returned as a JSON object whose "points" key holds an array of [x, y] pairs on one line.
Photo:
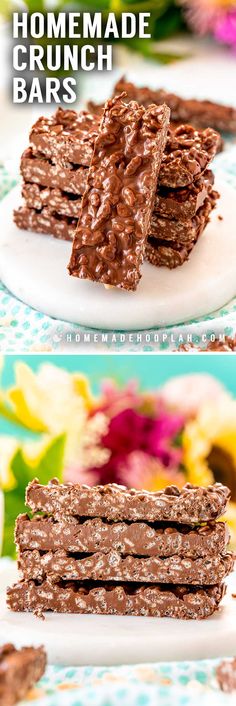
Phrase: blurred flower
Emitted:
{"points": [[225, 28], [130, 431], [52, 401], [114, 399], [8, 448], [217, 17], [209, 445], [146, 472], [187, 393], [209, 449]]}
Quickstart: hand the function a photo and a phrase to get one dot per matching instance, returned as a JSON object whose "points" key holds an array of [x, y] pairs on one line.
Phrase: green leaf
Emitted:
{"points": [[49, 463]]}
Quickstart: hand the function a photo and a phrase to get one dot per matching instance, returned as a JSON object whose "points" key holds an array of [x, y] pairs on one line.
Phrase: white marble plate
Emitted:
{"points": [[34, 268]]}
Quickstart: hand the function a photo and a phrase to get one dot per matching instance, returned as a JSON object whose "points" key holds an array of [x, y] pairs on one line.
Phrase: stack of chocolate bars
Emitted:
{"points": [[111, 550], [147, 188]]}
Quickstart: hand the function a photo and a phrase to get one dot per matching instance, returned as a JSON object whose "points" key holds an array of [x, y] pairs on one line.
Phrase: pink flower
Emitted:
{"points": [[225, 28], [144, 472], [114, 399], [217, 17], [130, 431]]}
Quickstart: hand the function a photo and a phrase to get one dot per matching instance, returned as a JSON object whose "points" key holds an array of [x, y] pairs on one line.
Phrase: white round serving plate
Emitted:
{"points": [[34, 268], [112, 640]]}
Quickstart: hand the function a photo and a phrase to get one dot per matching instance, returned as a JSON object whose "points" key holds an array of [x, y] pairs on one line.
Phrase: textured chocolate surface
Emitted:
{"points": [[44, 221], [45, 534], [19, 671], [113, 567], [37, 169], [188, 153], [164, 234], [226, 675], [182, 232], [58, 201], [116, 208], [175, 249], [201, 113], [164, 254], [116, 502], [178, 204], [153, 600], [182, 204], [67, 135]]}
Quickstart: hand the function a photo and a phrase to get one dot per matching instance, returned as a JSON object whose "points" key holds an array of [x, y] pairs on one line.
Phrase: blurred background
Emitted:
{"points": [[143, 421], [216, 18]]}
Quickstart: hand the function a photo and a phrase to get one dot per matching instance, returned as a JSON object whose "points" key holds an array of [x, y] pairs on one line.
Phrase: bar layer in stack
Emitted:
{"points": [[112, 550], [55, 172]]}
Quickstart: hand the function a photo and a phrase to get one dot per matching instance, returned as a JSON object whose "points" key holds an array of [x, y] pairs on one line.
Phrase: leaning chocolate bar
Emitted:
{"points": [[109, 599], [19, 671], [78, 535], [115, 502], [113, 567], [201, 113], [109, 242]]}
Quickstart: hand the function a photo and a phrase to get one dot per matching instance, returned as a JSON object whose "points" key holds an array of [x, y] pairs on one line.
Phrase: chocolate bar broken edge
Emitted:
{"points": [[191, 504]]}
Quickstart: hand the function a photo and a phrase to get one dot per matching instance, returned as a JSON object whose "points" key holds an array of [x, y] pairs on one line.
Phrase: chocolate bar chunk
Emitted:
{"points": [[116, 502], [109, 599], [45, 534], [113, 567], [226, 675], [182, 232], [66, 135], [39, 170], [183, 204], [201, 113], [45, 221], [176, 248], [58, 201], [19, 671], [116, 208], [188, 153], [164, 254]]}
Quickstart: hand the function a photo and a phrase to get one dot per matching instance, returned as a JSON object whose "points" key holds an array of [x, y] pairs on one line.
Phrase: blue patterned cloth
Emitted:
{"points": [[24, 329], [166, 684]]}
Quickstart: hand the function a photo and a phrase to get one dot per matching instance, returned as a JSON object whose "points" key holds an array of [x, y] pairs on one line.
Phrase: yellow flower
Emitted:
{"points": [[213, 428], [209, 447], [8, 448], [51, 401]]}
